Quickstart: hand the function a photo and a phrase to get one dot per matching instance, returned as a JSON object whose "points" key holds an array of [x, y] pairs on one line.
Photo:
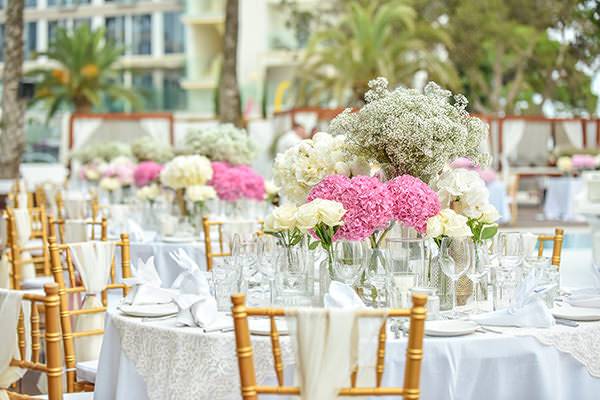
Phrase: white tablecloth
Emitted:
{"points": [[167, 269], [561, 193], [499, 199], [143, 360]]}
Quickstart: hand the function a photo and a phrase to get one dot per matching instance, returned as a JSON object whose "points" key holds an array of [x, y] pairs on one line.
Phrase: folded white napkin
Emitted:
{"points": [[529, 310], [198, 307], [589, 298], [341, 295], [135, 231], [146, 285]]}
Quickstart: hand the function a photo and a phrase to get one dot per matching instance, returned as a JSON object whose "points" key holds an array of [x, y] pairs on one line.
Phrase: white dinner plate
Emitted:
{"points": [[262, 327], [450, 328], [149, 310], [577, 313], [179, 239]]}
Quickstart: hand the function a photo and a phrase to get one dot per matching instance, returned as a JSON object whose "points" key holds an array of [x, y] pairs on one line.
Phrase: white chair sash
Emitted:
{"points": [[325, 344], [75, 231], [4, 272], [93, 261], [23, 226], [10, 307], [75, 208]]}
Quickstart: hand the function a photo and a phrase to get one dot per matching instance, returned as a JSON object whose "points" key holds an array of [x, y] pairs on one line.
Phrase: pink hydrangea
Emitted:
{"points": [[233, 183], [414, 201], [146, 172], [367, 201], [488, 175], [583, 161], [462, 162], [122, 170]]}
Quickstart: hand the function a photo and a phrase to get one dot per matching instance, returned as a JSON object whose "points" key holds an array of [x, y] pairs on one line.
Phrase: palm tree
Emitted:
{"points": [[12, 135], [83, 72], [371, 39], [230, 109]]}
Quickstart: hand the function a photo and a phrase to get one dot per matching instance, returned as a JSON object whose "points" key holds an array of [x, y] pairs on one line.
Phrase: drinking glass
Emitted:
{"points": [[406, 259], [510, 250], [349, 260], [455, 258], [266, 261], [479, 267], [226, 278]]}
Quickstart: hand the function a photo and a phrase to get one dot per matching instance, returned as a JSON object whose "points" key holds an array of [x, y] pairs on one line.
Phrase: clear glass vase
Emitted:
{"points": [[373, 287], [293, 283]]}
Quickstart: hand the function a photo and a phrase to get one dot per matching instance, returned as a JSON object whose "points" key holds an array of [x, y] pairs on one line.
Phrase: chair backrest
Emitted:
{"points": [[56, 227], [53, 366], [557, 243], [213, 231], [62, 262], [414, 353], [39, 230]]}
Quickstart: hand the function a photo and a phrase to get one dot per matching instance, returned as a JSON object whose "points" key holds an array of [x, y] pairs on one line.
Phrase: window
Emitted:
{"points": [[31, 3], [82, 21], [143, 83], [174, 97], [30, 40], [173, 33], [142, 34], [53, 26], [115, 29]]}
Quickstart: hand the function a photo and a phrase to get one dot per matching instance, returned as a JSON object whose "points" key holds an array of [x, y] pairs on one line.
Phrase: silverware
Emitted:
{"points": [[566, 322]]}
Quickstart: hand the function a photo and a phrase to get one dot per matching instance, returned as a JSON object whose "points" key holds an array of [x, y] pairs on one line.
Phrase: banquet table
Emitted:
{"points": [[561, 193]]}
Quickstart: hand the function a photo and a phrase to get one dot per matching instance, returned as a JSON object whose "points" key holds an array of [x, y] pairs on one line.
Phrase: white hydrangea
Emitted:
{"points": [[148, 192], [200, 193], [465, 192], [301, 167], [184, 171]]}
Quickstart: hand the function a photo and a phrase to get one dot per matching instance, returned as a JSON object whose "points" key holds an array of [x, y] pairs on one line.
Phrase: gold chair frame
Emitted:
{"points": [[37, 216], [557, 243], [414, 353], [57, 251], [53, 367]]}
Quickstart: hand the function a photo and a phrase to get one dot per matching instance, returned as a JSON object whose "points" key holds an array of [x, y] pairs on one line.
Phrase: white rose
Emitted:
{"points": [[91, 174], [342, 168], [269, 224], [271, 188], [564, 164], [331, 212], [435, 227], [196, 193], [150, 192], [455, 225], [110, 184], [307, 215], [490, 214], [284, 217]]}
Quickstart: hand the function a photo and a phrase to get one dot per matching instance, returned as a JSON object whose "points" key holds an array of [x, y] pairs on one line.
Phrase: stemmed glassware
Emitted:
{"points": [[455, 258], [483, 253], [510, 249], [349, 260], [267, 262]]}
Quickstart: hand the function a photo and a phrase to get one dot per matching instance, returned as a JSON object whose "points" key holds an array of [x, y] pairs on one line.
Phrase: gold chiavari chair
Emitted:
{"points": [[15, 200], [216, 227], [414, 353], [53, 366], [557, 243], [56, 226], [39, 250], [61, 258]]}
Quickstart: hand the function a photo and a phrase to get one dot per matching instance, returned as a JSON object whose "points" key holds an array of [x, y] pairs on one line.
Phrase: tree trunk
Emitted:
{"points": [[12, 131], [230, 108]]}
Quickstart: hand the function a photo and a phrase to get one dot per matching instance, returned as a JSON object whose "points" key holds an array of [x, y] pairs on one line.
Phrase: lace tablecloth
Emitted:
{"points": [[155, 360]]}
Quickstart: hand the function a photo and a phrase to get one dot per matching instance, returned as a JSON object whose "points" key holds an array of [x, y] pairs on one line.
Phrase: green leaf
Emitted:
{"points": [[314, 245], [488, 231]]}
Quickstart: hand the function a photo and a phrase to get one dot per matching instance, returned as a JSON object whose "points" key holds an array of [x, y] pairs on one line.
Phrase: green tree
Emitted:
{"points": [[83, 73], [366, 40]]}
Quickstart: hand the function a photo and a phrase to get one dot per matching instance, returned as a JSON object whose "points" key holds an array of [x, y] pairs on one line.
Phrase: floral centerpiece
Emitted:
{"points": [[92, 171], [102, 151], [148, 148], [487, 174], [301, 167], [117, 175], [146, 172], [223, 142], [409, 132], [183, 172], [577, 163], [197, 196], [236, 182]]}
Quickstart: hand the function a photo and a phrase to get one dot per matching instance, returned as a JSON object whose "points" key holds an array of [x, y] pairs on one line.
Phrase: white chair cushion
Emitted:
{"points": [[86, 370], [71, 396], [36, 283]]}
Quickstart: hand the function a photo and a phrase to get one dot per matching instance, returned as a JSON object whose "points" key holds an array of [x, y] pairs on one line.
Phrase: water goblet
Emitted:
{"points": [[479, 268], [349, 260], [453, 266], [407, 265], [510, 249]]}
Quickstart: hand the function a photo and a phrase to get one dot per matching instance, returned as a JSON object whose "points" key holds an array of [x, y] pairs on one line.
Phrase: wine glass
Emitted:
{"points": [[455, 258], [349, 259], [479, 268], [407, 266], [266, 261]]}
